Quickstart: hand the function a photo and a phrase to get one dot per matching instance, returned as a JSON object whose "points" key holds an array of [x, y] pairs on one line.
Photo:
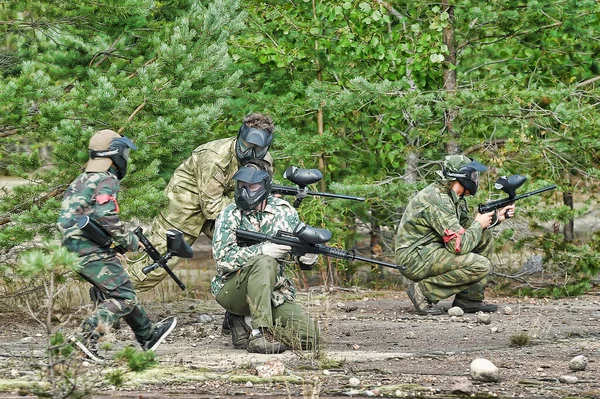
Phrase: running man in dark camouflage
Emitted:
{"points": [[200, 188], [251, 280], [446, 251], [94, 194]]}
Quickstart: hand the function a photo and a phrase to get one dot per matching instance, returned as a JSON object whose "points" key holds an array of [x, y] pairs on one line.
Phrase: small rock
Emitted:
{"points": [[484, 318], [27, 340], [326, 372], [14, 373], [493, 329], [507, 310], [578, 363], [249, 384], [270, 368], [411, 335], [484, 370], [354, 382], [204, 318], [567, 379], [455, 311], [462, 387]]}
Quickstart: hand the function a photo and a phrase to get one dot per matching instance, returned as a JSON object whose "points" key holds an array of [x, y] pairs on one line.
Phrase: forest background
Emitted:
{"points": [[372, 93]]}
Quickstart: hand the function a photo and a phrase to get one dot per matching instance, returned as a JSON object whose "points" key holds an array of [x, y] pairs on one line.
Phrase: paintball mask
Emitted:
{"points": [[118, 152], [252, 187], [252, 143], [463, 169]]}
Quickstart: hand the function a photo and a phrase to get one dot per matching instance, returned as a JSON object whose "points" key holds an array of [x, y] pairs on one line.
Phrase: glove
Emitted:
{"points": [[275, 250], [308, 259]]}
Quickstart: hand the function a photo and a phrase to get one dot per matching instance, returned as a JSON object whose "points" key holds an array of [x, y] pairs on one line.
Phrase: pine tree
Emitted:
{"points": [[156, 72]]}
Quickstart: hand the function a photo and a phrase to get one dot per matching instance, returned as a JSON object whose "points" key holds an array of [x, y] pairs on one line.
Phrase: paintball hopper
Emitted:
{"points": [[510, 184]]}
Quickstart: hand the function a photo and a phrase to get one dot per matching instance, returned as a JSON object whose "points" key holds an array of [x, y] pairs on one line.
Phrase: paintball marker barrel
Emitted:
{"points": [[303, 246], [501, 203]]}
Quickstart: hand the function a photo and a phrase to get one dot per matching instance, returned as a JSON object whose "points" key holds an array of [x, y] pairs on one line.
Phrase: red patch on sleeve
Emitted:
{"points": [[104, 198], [449, 235]]}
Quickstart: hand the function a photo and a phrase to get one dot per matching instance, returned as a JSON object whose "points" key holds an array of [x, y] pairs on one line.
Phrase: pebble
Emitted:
{"points": [[507, 310], [578, 363], [249, 384], [484, 318], [455, 311], [568, 379], [484, 370], [354, 382], [204, 318]]}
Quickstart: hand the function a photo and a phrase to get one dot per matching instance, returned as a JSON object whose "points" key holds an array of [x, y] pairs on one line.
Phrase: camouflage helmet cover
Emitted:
{"points": [[463, 169]]}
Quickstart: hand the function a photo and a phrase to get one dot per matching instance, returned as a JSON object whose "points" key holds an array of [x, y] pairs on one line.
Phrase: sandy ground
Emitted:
{"points": [[373, 346]]}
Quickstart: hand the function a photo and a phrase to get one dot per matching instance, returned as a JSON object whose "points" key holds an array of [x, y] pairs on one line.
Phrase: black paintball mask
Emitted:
{"points": [[118, 152], [467, 175], [252, 143], [252, 187]]}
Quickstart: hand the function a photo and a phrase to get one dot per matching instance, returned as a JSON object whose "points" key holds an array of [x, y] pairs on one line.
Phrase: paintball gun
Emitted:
{"points": [[510, 185], [93, 231], [304, 177], [176, 246], [306, 239]]}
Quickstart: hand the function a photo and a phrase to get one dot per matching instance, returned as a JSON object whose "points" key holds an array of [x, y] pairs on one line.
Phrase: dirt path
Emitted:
{"points": [[374, 346]]}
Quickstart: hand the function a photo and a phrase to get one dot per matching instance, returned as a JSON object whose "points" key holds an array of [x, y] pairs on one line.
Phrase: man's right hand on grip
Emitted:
{"points": [[275, 250]]}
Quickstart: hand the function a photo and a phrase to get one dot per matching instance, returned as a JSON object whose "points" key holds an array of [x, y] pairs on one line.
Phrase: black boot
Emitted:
{"points": [[469, 306], [240, 331], [225, 327], [423, 306]]}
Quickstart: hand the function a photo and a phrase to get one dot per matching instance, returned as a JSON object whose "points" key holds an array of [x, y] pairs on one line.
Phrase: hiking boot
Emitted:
{"points": [[161, 330], [264, 342], [422, 305], [469, 306], [225, 328], [240, 331], [97, 298], [88, 346]]}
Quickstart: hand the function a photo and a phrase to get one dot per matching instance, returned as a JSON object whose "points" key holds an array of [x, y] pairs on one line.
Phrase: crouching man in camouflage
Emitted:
{"points": [[94, 194], [447, 252], [200, 188], [251, 280]]}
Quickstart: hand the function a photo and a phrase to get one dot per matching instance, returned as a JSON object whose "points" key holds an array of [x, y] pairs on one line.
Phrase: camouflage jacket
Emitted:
{"points": [[435, 217], [278, 215], [93, 194], [200, 188]]}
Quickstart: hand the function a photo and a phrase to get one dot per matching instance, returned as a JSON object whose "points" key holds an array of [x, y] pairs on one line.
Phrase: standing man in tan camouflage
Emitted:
{"points": [[446, 251], [200, 188], [92, 199]]}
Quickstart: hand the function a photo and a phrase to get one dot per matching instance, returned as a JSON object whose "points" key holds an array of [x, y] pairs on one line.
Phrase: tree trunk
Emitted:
{"points": [[568, 230], [450, 78]]}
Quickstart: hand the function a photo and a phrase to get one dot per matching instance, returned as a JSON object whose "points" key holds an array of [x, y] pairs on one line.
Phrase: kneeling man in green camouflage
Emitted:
{"points": [[446, 251], [251, 282]]}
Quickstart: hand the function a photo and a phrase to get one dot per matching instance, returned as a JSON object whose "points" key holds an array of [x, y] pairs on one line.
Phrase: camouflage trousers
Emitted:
{"points": [[110, 277], [157, 235], [248, 293], [441, 274]]}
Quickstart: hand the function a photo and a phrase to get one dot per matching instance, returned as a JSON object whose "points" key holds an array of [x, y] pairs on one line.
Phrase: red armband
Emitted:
{"points": [[104, 198], [449, 235]]}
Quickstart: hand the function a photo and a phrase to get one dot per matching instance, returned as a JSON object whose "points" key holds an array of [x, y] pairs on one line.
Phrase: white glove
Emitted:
{"points": [[275, 250], [308, 259]]}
